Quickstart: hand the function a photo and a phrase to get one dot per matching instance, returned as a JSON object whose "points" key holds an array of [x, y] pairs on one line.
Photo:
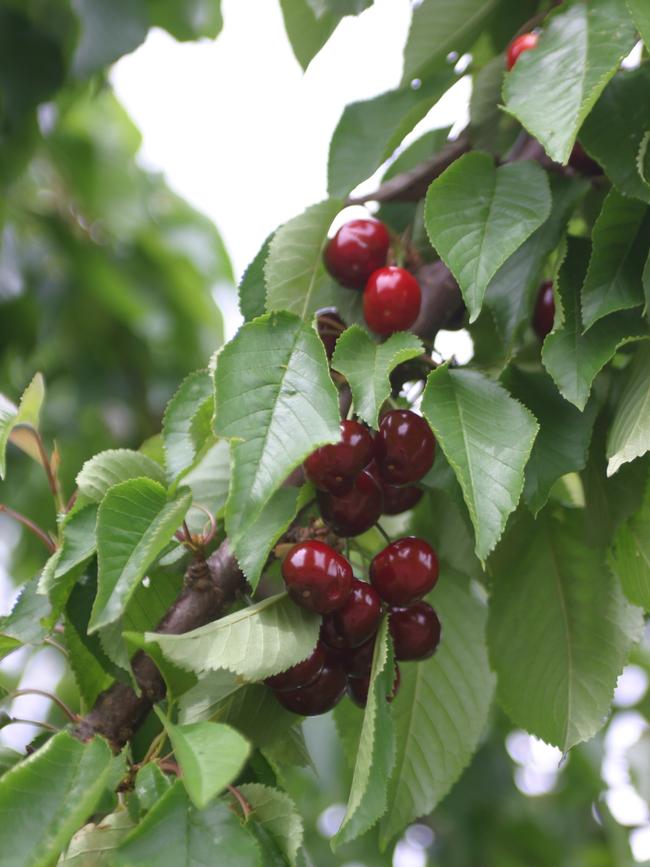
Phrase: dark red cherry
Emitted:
{"points": [[319, 696], [353, 513], [415, 631], [301, 674], [398, 500], [544, 312], [405, 571], [358, 661], [525, 42], [583, 163], [317, 577], [357, 620], [329, 326], [391, 300], [358, 248], [358, 688], [334, 468], [404, 447]]}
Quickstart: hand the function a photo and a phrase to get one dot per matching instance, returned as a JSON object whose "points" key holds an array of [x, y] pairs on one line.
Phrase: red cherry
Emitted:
{"points": [[405, 571], [358, 661], [318, 697], [583, 163], [301, 674], [355, 512], [358, 248], [329, 326], [358, 688], [317, 577], [404, 447], [525, 42], [391, 300], [544, 312], [357, 620], [398, 500], [334, 468], [415, 631]]}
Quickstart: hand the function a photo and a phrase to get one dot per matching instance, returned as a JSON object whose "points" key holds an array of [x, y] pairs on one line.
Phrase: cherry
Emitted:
{"points": [[404, 447], [415, 631], [355, 512], [358, 661], [317, 577], [357, 620], [333, 468], [544, 312], [525, 42], [358, 688], [583, 163], [358, 248], [301, 674], [329, 326], [391, 300], [398, 500], [319, 696], [405, 571]]}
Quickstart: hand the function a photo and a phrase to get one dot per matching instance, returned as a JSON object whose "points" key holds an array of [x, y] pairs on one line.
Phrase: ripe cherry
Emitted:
{"points": [[319, 696], [544, 312], [404, 447], [398, 500], [334, 468], [415, 631], [583, 163], [329, 326], [525, 42], [357, 620], [358, 688], [405, 571], [358, 661], [358, 248], [391, 300], [317, 577], [355, 512], [301, 674]]}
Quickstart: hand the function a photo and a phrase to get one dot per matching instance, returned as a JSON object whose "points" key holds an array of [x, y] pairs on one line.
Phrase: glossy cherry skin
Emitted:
{"points": [[405, 571], [358, 661], [321, 695], [544, 312], [358, 688], [415, 631], [301, 674], [317, 577], [357, 621], [334, 468], [354, 512], [329, 326], [583, 163], [391, 300], [398, 500], [525, 42], [404, 447], [358, 248]]}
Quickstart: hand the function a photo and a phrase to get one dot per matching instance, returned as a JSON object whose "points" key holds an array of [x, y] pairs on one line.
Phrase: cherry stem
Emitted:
{"points": [[336, 327], [14, 720], [31, 526], [169, 765], [72, 500], [16, 693], [55, 644], [154, 747], [241, 800], [383, 532]]}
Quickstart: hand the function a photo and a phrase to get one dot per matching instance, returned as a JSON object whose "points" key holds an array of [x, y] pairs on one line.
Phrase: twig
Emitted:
{"points": [[55, 644], [31, 526], [17, 693], [14, 720], [52, 479], [241, 800]]}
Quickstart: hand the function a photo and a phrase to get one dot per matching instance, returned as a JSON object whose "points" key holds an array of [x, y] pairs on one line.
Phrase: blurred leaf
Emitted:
{"points": [[94, 844], [189, 20], [150, 785], [641, 15], [307, 32], [108, 29], [109, 468], [187, 424], [629, 435], [26, 413], [629, 555], [276, 811]]}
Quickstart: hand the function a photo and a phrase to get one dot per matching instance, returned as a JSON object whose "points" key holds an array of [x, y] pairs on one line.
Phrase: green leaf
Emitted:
{"points": [[278, 814], [187, 424], [78, 546], [307, 32], [552, 89], [478, 215], [94, 845], [439, 27], [187, 21], [203, 700], [367, 366], [640, 13], [487, 437], [209, 481], [175, 834], [26, 413], [562, 444], [572, 358], [264, 404], [375, 755], [150, 785], [9, 758], [113, 466], [441, 710], [620, 241], [210, 756], [369, 131], [559, 629], [25, 622], [629, 556], [44, 799], [629, 435], [256, 642], [134, 523], [340, 7], [252, 286]]}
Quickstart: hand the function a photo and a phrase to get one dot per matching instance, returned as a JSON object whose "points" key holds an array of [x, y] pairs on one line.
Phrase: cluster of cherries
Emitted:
{"points": [[320, 579], [356, 256]]}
